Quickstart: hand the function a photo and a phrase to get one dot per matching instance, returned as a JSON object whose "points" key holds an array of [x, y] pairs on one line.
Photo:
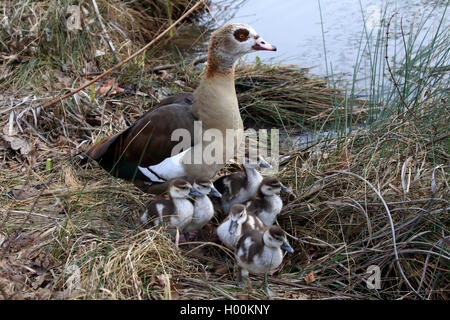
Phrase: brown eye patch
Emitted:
{"points": [[241, 34]]}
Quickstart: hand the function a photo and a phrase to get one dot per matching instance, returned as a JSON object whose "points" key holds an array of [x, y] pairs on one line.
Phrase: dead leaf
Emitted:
{"points": [[63, 80], [310, 278], [243, 296], [221, 270], [110, 87], [73, 22], [17, 144], [23, 192]]}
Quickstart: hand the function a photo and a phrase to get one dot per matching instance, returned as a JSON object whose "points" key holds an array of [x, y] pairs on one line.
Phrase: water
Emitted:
{"points": [[299, 32], [301, 29]]}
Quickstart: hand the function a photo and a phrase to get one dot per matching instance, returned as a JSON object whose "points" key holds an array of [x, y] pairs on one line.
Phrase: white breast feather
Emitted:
{"points": [[267, 260], [230, 240], [251, 221], [268, 216], [203, 212], [183, 215]]}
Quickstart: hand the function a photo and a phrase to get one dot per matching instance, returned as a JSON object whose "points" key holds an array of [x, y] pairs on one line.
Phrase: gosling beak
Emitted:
{"points": [[286, 246], [261, 44], [285, 189], [194, 193], [264, 164], [215, 193], [233, 226]]}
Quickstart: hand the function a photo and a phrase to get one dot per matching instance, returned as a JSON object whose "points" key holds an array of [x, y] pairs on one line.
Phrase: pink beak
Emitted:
{"points": [[261, 44]]}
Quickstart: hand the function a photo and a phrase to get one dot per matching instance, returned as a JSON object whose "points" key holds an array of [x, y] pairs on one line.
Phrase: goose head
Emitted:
{"points": [[275, 237], [238, 214], [272, 186], [204, 187], [180, 189], [229, 43]]}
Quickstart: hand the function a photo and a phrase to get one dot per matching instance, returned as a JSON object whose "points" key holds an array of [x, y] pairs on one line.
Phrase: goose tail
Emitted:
{"points": [[109, 154]]}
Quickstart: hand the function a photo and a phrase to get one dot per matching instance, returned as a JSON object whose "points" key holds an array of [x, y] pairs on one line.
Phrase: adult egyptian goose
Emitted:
{"points": [[237, 222], [241, 186], [144, 153], [260, 252], [268, 204], [203, 207], [175, 212]]}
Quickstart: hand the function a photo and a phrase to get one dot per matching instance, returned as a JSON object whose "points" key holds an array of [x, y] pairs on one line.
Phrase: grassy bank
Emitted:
{"points": [[375, 196]]}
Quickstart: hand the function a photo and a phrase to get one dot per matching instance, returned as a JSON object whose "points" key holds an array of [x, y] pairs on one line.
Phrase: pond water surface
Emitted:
{"points": [[299, 28]]}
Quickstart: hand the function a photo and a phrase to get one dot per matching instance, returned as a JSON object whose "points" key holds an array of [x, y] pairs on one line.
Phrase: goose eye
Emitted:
{"points": [[241, 34]]}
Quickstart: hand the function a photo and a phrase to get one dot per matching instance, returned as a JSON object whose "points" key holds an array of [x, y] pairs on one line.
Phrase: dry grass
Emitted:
{"points": [[38, 38], [377, 194], [84, 221], [72, 232], [289, 96]]}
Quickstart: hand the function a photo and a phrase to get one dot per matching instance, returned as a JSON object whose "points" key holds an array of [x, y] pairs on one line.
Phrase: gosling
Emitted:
{"points": [[203, 207], [268, 204], [260, 252], [242, 186], [237, 222], [176, 212]]}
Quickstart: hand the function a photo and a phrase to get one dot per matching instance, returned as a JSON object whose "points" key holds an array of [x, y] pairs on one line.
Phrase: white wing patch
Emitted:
{"points": [[167, 169]]}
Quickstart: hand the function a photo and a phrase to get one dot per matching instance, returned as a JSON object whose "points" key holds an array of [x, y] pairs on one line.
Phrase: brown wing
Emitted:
{"points": [[255, 205], [148, 141]]}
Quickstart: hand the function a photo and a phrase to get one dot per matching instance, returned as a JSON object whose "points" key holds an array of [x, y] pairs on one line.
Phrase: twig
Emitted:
{"points": [[34, 214], [148, 45]]}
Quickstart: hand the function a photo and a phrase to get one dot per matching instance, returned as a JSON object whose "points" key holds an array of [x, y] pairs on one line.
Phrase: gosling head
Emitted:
{"points": [[204, 187], [238, 214], [179, 189], [272, 186], [229, 43], [275, 237]]}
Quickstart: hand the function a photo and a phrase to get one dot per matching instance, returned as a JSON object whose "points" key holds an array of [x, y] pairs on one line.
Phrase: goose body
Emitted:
{"points": [[242, 186], [238, 222], [260, 252], [176, 212], [144, 152], [203, 207], [267, 204]]}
